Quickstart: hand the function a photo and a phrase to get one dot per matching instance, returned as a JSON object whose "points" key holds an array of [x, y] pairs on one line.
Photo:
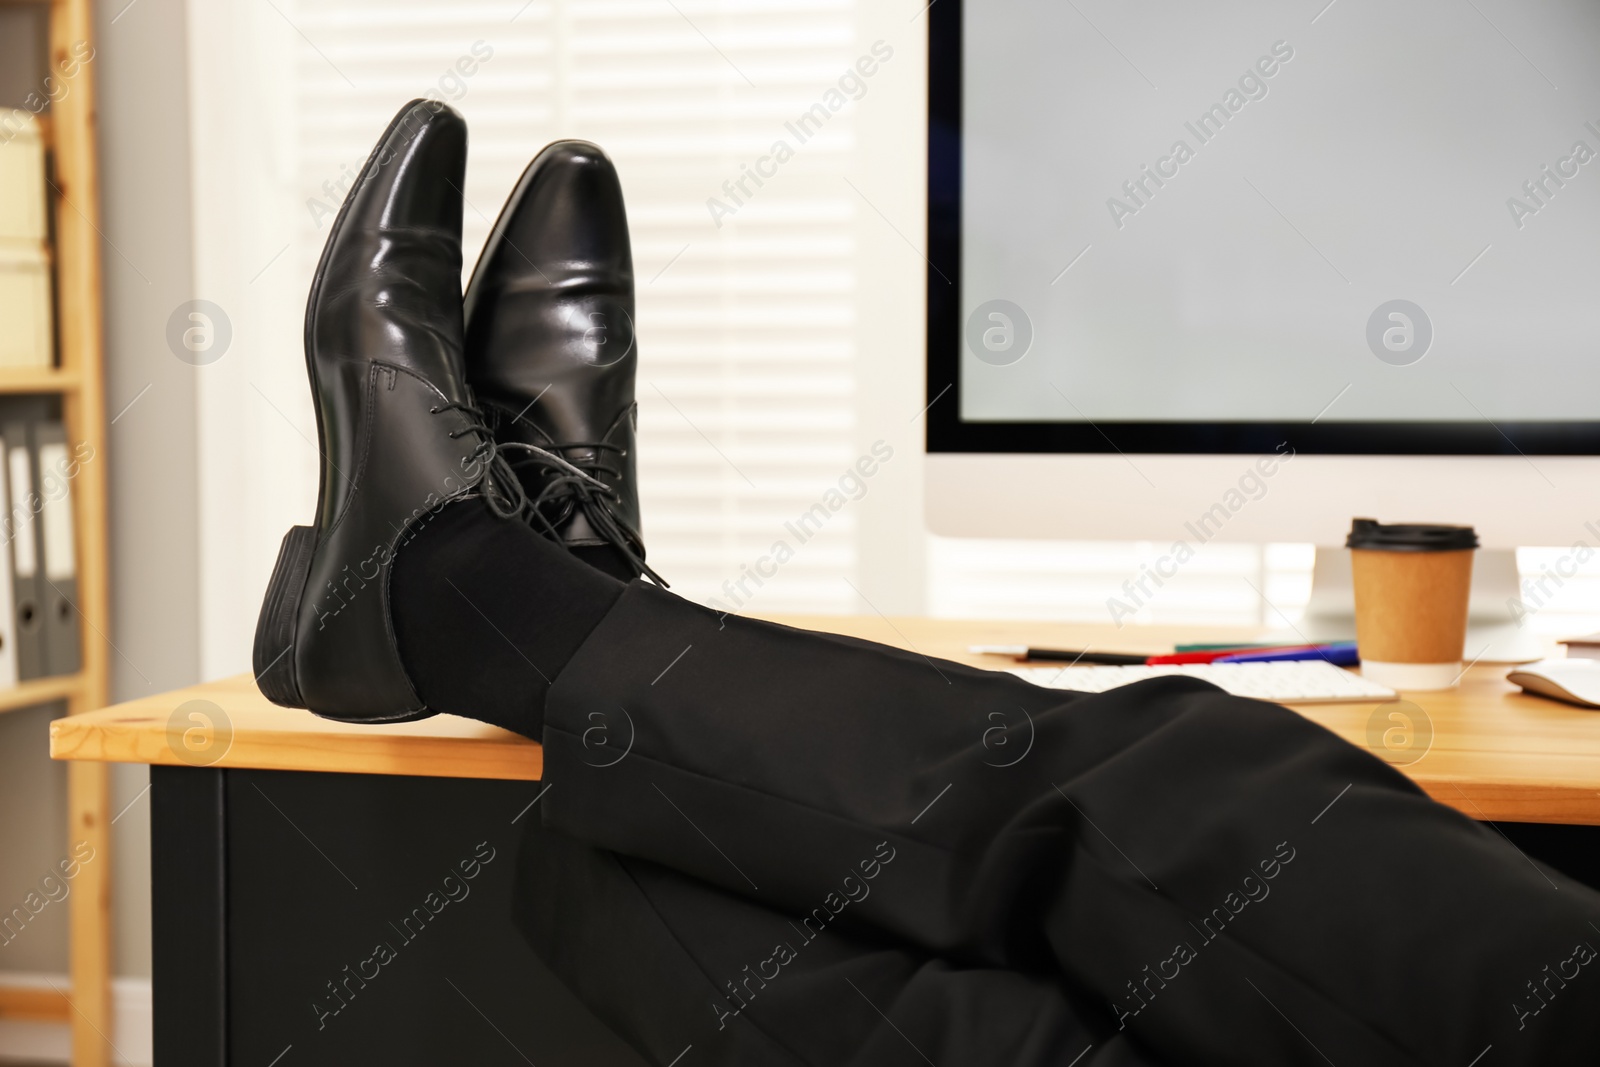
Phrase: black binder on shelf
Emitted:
{"points": [[58, 547], [27, 576]]}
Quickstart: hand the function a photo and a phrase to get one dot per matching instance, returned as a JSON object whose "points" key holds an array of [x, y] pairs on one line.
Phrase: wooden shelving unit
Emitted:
{"points": [[16, 381], [40, 691], [79, 381]]}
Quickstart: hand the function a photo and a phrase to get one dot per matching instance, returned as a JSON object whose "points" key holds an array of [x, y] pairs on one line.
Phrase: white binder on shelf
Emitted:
{"points": [[58, 549]]}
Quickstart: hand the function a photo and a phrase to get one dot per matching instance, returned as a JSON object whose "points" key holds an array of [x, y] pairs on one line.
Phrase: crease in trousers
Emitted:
{"points": [[699, 977], [1199, 878]]}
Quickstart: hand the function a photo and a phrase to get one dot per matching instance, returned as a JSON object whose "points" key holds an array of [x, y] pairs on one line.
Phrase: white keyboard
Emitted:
{"points": [[1311, 681]]}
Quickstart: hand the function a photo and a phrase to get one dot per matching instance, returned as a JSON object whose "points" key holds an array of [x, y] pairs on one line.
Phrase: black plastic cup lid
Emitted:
{"points": [[1409, 537]]}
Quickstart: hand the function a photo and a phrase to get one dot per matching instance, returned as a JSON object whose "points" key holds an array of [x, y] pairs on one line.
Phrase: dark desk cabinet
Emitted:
{"points": [[304, 919]]}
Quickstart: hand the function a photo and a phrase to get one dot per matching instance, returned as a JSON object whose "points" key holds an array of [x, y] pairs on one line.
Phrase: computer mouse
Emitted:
{"points": [[1577, 681]]}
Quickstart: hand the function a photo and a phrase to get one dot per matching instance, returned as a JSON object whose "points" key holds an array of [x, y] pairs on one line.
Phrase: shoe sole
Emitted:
{"points": [[273, 654], [276, 629]]}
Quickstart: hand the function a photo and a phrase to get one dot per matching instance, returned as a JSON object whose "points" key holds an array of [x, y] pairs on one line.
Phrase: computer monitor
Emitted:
{"points": [[1243, 272]]}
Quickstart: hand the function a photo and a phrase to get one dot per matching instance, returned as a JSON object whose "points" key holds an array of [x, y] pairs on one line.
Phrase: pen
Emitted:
{"points": [[1340, 654], [1235, 654], [1343, 654], [1058, 655], [1226, 646]]}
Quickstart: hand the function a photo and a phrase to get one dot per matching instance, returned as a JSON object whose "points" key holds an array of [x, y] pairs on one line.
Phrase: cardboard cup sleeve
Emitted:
{"points": [[1411, 594]]}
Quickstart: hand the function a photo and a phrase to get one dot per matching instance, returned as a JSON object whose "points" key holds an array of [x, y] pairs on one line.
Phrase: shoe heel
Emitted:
{"points": [[274, 658]]}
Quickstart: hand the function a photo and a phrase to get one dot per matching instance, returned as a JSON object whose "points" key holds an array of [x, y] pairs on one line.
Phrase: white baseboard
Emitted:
{"points": [[131, 1028]]}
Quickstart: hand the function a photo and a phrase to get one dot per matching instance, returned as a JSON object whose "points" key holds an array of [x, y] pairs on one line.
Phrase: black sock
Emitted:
{"points": [[487, 613], [607, 559]]}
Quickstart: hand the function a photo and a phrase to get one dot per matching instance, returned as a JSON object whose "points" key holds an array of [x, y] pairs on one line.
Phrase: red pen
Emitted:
{"points": [[1211, 655]]}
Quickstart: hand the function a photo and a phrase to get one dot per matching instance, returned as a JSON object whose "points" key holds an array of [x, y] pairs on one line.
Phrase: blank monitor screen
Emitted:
{"points": [[1374, 225]]}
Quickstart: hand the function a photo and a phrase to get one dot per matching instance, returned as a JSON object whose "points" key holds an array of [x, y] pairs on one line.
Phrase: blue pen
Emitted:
{"points": [[1340, 654]]}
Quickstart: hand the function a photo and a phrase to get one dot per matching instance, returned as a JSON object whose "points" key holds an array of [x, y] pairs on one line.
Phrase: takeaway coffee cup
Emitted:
{"points": [[1412, 586]]}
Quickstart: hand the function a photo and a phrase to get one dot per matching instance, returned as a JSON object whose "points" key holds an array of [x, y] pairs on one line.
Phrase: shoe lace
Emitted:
{"points": [[501, 487], [577, 481], [507, 498]]}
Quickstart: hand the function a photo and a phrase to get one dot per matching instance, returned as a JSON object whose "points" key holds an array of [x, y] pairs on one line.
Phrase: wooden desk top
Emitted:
{"points": [[1495, 752]]}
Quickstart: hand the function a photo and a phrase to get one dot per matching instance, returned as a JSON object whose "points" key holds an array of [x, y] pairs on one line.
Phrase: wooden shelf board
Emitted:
{"points": [[37, 379], [40, 691], [33, 1003]]}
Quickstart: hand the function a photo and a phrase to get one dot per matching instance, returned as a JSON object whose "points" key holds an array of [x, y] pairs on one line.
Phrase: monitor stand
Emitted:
{"points": [[1493, 635]]}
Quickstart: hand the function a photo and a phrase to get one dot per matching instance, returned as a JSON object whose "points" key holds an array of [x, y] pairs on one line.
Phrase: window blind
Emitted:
{"points": [[745, 320], [1081, 581]]}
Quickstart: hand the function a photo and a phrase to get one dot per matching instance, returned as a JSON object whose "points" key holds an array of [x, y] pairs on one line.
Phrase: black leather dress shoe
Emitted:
{"points": [[550, 352], [398, 432]]}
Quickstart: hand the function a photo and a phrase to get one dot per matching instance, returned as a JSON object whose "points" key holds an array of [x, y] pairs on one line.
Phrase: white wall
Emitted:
{"points": [[257, 471], [891, 126], [153, 445]]}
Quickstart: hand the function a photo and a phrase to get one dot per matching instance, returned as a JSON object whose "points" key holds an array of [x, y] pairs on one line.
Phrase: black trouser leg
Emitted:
{"points": [[1234, 884], [689, 974]]}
